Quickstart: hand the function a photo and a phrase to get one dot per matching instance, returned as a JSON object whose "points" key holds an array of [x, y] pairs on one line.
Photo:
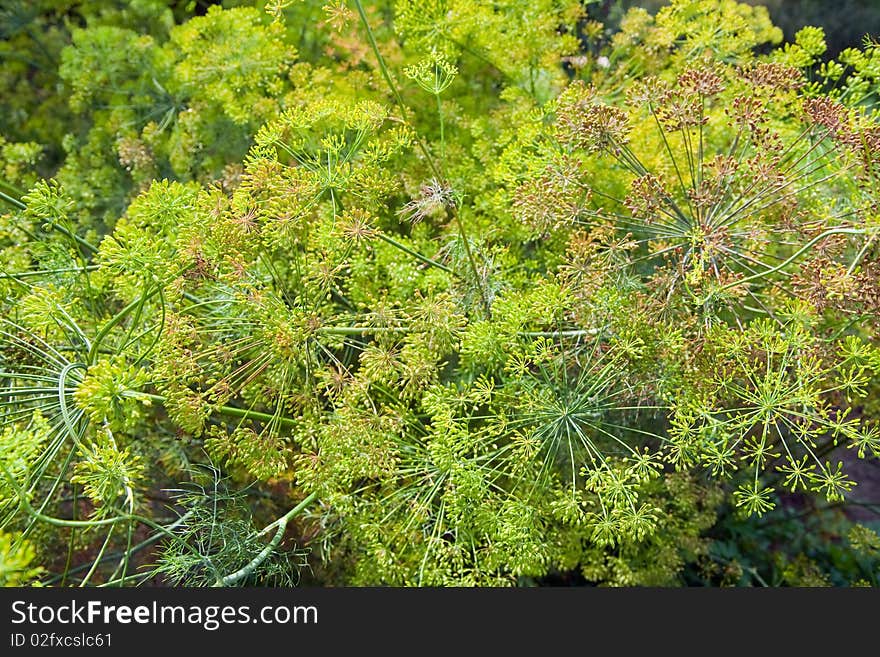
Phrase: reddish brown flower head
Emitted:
{"points": [[552, 200], [585, 123], [685, 111], [747, 113], [827, 113], [646, 198], [775, 76], [701, 81], [651, 91]]}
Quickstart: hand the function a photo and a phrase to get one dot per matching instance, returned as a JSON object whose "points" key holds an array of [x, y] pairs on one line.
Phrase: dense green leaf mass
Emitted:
{"points": [[435, 292]]}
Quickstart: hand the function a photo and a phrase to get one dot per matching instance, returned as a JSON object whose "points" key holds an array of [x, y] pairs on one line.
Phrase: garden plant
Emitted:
{"points": [[436, 292]]}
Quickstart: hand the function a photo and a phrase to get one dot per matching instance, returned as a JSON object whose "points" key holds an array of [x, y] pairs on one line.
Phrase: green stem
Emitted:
{"points": [[72, 539], [806, 247], [405, 116], [12, 188], [383, 67], [280, 526], [118, 317], [41, 272], [367, 330], [414, 254], [12, 201], [57, 522], [861, 254], [98, 559], [361, 330], [559, 334], [130, 551], [442, 135], [73, 236], [69, 423], [473, 264], [230, 411]]}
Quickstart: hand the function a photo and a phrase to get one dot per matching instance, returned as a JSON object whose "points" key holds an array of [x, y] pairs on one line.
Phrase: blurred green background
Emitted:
{"points": [[846, 22]]}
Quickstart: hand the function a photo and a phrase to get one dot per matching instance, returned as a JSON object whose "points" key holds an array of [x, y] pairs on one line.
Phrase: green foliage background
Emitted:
{"points": [[436, 292], [846, 23]]}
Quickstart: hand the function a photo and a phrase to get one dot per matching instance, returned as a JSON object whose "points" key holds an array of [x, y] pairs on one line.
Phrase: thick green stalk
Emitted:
{"points": [[98, 558], [361, 330], [574, 333], [43, 272], [280, 527], [367, 330], [69, 422], [61, 229], [806, 247], [133, 549], [118, 317], [230, 411], [12, 201], [57, 522], [73, 236]]}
